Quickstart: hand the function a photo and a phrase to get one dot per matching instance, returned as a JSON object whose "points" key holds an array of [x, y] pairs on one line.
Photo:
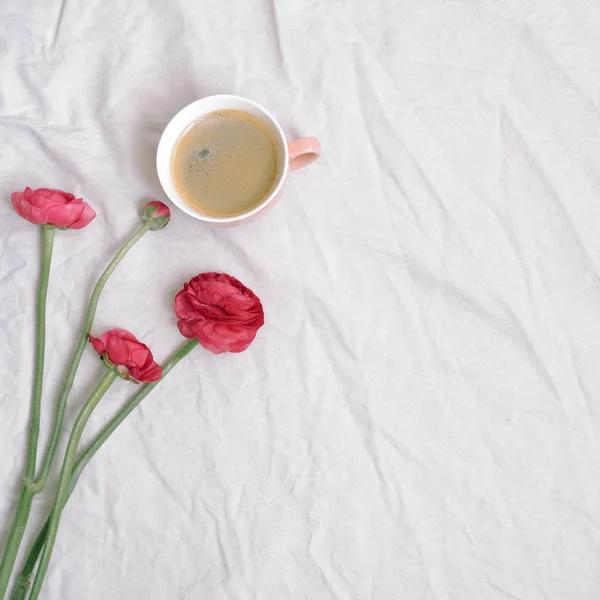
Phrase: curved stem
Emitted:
{"points": [[25, 578], [68, 382], [65, 477], [25, 498]]}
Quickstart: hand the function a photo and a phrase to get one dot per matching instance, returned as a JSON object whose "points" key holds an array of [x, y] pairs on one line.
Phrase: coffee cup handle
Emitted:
{"points": [[303, 152]]}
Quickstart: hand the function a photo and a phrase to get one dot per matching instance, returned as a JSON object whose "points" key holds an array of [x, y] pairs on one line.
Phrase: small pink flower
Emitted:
{"points": [[219, 311], [123, 350], [52, 207], [157, 212]]}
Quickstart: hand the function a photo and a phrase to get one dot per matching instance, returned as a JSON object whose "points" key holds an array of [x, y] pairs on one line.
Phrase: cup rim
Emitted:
{"points": [[164, 171]]}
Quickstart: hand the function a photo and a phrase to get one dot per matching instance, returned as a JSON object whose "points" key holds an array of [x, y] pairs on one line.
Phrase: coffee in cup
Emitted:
{"points": [[225, 163]]}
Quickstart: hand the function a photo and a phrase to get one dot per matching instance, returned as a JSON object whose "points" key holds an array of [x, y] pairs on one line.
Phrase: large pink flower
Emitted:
{"points": [[219, 311], [123, 350], [52, 207]]}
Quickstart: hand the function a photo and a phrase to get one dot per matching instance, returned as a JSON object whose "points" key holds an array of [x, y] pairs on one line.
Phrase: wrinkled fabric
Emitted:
{"points": [[418, 418]]}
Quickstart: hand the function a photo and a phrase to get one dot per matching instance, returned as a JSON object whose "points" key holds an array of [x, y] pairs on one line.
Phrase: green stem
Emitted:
{"points": [[33, 487], [22, 586], [68, 382], [40, 346], [15, 537], [25, 579], [25, 498], [65, 477], [127, 409]]}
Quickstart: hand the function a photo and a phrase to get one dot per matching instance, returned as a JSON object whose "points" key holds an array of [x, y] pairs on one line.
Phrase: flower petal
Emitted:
{"points": [[64, 215], [117, 350], [87, 216], [138, 353], [26, 210], [123, 334], [97, 344], [150, 373]]}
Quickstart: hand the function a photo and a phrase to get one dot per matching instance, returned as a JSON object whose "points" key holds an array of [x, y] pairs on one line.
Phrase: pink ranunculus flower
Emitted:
{"points": [[52, 207], [132, 358], [219, 311]]}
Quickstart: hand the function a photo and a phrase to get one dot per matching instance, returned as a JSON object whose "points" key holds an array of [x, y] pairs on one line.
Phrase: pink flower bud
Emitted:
{"points": [[158, 212]]}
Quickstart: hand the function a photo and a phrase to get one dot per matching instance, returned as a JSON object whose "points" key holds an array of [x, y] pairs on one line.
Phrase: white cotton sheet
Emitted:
{"points": [[419, 417]]}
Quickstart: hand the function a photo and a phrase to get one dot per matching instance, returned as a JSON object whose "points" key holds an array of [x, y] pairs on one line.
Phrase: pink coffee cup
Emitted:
{"points": [[291, 155]]}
